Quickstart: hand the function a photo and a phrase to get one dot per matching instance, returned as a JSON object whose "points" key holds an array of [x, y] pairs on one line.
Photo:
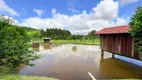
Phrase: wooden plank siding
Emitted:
{"points": [[121, 44]]}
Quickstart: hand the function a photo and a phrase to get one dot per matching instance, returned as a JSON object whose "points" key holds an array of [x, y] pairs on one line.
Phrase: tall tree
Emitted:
{"points": [[92, 34], [42, 32], [136, 29]]}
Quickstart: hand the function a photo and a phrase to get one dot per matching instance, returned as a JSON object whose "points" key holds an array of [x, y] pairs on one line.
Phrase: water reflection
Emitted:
{"points": [[36, 49], [21, 67], [47, 46], [116, 68], [73, 62], [130, 60], [74, 48]]}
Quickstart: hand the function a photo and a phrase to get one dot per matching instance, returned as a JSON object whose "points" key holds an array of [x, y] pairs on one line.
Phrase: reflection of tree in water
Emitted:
{"points": [[36, 46], [56, 45], [21, 66], [47, 46], [74, 48], [110, 66], [36, 49]]}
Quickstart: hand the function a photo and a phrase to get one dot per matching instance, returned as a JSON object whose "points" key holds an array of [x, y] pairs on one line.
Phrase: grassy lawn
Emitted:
{"points": [[19, 77], [88, 42]]}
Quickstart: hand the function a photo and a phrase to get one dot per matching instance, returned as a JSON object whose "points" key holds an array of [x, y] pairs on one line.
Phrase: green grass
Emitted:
{"points": [[87, 42], [19, 77]]}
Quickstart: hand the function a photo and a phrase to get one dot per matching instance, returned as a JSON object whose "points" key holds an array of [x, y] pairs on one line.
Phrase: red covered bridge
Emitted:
{"points": [[117, 40]]}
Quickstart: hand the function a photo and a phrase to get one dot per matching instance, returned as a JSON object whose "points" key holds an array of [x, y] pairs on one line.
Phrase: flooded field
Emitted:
{"points": [[73, 62]]}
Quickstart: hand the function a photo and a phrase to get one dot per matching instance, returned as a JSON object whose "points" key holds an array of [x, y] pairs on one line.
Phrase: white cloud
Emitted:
{"points": [[40, 23], [39, 12], [53, 11], [72, 4], [120, 21], [5, 8], [73, 10], [105, 14], [126, 2], [107, 9]]}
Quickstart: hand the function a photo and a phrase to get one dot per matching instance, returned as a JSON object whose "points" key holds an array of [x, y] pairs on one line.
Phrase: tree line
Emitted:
{"points": [[60, 34], [55, 33]]}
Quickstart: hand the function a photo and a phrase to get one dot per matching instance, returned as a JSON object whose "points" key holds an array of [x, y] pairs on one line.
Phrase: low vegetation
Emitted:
{"points": [[14, 49], [88, 42], [60, 34], [18, 77]]}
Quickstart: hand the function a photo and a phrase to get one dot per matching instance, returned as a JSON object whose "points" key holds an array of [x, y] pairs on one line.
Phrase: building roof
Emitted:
{"points": [[114, 30]]}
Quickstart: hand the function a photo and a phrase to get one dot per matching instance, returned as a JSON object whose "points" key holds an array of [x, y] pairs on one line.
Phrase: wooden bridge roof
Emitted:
{"points": [[114, 30]]}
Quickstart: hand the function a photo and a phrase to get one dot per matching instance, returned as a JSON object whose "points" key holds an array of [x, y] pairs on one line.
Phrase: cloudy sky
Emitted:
{"points": [[78, 16]]}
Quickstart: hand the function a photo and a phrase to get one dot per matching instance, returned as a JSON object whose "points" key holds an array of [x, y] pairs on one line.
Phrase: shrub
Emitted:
{"points": [[13, 48]]}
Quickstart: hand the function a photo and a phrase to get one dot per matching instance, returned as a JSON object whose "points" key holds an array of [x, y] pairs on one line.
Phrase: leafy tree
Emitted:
{"points": [[92, 34], [55, 33], [79, 37], [42, 32], [136, 28], [13, 48], [34, 35]]}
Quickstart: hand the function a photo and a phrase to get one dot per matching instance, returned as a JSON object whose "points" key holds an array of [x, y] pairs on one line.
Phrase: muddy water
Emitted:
{"points": [[73, 62]]}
